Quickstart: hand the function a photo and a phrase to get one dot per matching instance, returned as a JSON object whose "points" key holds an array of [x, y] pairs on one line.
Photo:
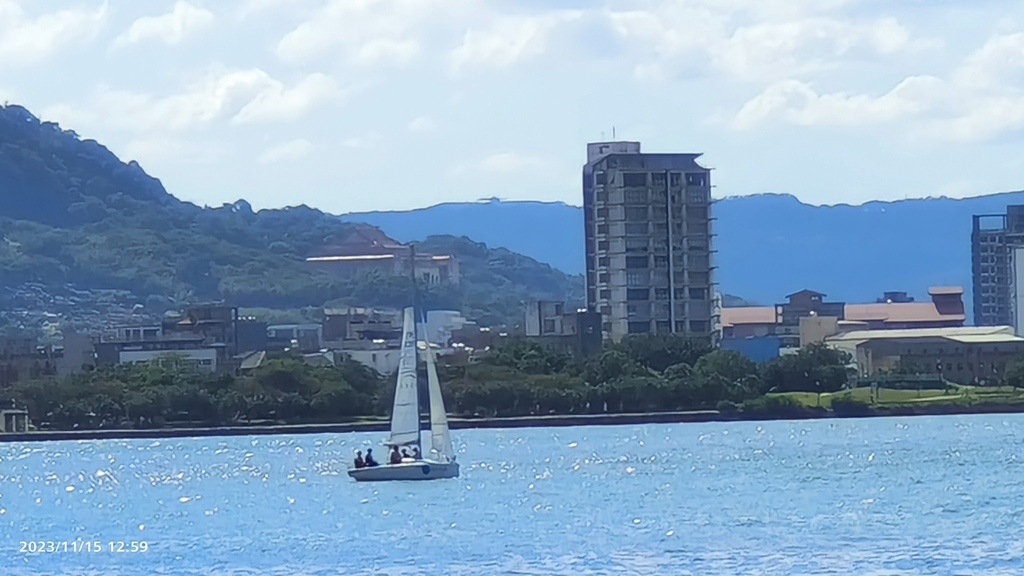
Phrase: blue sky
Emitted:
{"points": [[353, 105]]}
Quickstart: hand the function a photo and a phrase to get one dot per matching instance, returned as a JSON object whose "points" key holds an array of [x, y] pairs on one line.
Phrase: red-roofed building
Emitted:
{"points": [[896, 311]]}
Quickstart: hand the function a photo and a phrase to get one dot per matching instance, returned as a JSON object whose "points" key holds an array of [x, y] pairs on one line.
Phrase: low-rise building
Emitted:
{"points": [[553, 323], [307, 338], [794, 321], [964, 355], [188, 347], [365, 250], [23, 359], [358, 323]]}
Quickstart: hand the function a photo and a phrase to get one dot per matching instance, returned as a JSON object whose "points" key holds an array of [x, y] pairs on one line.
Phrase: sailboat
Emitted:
{"points": [[405, 419]]}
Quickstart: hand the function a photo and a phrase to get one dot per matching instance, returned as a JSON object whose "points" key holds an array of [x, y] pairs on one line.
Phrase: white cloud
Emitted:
{"points": [[507, 41], [509, 162], [25, 41], [423, 124], [276, 102], [755, 41], [981, 99], [287, 151], [775, 50], [798, 103], [365, 32], [367, 142], [172, 28], [248, 96]]}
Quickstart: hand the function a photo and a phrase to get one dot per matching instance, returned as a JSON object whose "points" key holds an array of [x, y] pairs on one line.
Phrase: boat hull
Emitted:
{"points": [[406, 471]]}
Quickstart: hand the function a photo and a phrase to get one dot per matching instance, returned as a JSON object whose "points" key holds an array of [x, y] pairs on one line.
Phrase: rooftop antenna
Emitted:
{"points": [[613, 132]]}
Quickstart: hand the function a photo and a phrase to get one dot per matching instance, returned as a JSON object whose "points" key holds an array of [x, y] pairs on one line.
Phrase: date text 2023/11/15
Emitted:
{"points": [[83, 546]]}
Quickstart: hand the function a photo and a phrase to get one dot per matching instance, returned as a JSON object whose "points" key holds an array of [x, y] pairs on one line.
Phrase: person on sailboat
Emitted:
{"points": [[405, 454], [360, 463], [395, 458], [370, 462], [416, 453]]}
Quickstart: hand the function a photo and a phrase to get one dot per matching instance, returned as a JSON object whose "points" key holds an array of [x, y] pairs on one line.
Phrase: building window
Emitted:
{"points": [[549, 326], [606, 310], [680, 325], [680, 293], [696, 179], [602, 212], [675, 178], [698, 325], [636, 262], [698, 294], [602, 277], [664, 327], [636, 213], [636, 228], [602, 261], [638, 294], [636, 196], [639, 327], [635, 278], [661, 261], [658, 179], [636, 244], [606, 327], [661, 293], [600, 178], [602, 228], [634, 179], [602, 245], [601, 196], [606, 294]]}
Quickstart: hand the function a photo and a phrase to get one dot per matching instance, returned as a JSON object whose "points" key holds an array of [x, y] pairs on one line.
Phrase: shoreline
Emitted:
{"points": [[550, 421]]}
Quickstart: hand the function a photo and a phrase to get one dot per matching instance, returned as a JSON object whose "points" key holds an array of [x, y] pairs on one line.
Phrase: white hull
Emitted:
{"points": [[417, 470]]}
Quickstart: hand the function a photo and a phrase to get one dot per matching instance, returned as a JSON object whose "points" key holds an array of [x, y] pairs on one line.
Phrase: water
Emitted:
{"points": [[881, 496]]}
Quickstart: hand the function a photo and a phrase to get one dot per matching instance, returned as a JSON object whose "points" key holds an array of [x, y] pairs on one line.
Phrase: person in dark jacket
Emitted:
{"points": [[360, 463], [370, 462], [395, 458]]}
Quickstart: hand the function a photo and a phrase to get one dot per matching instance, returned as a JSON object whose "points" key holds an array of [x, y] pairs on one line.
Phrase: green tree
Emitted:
{"points": [[815, 368]]}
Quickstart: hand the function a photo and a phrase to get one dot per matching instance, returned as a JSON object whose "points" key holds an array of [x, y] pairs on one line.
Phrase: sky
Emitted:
{"points": [[358, 105]]}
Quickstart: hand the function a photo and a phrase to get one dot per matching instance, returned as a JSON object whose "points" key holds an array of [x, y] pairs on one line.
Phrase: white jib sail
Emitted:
{"points": [[440, 437], [405, 415]]}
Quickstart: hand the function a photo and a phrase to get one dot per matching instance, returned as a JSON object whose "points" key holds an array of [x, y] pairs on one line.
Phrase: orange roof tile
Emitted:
{"points": [[748, 315], [899, 313]]}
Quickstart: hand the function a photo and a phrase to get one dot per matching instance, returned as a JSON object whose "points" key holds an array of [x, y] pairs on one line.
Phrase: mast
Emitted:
{"points": [[416, 339]]}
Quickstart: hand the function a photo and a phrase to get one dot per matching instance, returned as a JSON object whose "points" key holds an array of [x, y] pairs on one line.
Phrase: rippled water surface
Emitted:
{"points": [[881, 496]]}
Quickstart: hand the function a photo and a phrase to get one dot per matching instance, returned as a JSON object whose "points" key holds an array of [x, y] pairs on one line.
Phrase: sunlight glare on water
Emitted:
{"points": [[879, 496]]}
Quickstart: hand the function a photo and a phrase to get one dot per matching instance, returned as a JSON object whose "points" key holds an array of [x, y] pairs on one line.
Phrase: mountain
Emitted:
{"points": [[767, 246], [82, 232]]}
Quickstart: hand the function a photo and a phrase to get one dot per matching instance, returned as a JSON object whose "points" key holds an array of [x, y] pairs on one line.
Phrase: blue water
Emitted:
{"points": [[881, 496]]}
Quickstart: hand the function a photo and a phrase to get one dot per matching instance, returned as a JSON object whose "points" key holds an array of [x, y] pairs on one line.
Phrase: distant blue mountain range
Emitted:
{"points": [[768, 245]]}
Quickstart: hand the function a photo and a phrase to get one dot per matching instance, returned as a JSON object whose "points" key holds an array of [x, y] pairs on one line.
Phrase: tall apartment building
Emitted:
{"points": [[994, 238], [647, 220]]}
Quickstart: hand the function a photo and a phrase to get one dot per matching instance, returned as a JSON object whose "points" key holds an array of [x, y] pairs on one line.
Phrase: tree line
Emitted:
{"points": [[517, 378]]}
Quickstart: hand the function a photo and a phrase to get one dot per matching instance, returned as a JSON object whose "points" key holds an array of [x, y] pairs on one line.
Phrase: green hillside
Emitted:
{"points": [[75, 217]]}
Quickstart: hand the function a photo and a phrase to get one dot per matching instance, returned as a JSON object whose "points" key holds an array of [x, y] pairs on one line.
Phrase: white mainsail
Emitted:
{"points": [[440, 437], [405, 415]]}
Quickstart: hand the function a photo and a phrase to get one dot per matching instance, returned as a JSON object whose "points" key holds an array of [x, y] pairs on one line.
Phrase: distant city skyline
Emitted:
{"points": [[360, 105]]}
